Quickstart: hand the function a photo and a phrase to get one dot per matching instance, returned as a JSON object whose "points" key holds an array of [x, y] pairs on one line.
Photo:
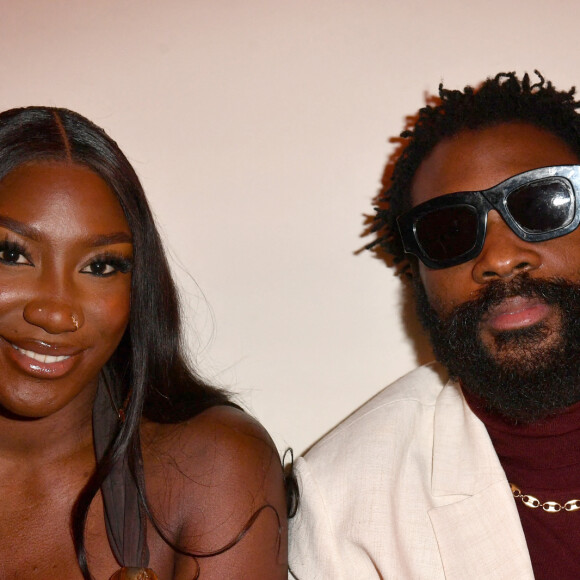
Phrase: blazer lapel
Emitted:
{"points": [[476, 524], [481, 537]]}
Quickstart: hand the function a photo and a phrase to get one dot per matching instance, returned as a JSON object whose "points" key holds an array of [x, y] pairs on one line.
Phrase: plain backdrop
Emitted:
{"points": [[260, 130]]}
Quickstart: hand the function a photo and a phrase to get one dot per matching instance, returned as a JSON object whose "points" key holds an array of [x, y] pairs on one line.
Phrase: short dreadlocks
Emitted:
{"points": [[503, 98]]}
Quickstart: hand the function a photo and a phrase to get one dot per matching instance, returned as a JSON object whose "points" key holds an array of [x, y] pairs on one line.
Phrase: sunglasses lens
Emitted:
{"points": [[448, 232], [543, 206]]}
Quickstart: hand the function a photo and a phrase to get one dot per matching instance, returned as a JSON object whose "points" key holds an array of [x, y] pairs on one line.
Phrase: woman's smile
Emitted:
{"points": [[41, 359]]}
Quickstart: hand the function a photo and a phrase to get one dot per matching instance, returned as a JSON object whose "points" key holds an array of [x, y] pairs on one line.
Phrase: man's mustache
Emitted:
{"points": [[548, 290]]}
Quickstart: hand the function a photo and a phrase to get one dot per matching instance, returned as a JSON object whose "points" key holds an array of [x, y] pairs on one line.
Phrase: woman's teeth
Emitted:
{"points": [[41, 358]]}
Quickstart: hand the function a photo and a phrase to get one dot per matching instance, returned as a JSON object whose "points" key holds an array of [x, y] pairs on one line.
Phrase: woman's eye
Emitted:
{"points": [[13, 256], [107, 267], [99, 269]]}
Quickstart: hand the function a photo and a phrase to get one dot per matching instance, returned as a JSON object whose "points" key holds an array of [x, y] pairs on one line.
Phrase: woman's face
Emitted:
{"points": [[65, 285]]}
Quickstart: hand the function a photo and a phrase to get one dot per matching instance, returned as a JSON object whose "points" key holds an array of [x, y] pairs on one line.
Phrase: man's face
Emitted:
{"points": [[502, 317], [477, 160]]}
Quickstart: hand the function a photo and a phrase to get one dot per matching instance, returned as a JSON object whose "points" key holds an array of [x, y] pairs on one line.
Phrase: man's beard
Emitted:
{"points": [[526, 374]]}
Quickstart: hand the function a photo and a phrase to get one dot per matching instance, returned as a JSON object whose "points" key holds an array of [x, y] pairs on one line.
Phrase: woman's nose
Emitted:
{"points": [[53, 316]]}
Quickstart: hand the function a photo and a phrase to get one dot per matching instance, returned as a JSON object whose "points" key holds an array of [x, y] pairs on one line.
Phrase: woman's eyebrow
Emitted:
{"points": [[24, 230], [33, 233], [109, 239]]}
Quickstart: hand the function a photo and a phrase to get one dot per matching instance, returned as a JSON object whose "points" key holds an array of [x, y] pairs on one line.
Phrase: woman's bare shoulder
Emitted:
{"points": [[217, 480], [221, 441]]}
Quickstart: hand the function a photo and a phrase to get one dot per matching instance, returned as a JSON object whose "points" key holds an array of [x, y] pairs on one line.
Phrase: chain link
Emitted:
{"points": [[552, 507]]}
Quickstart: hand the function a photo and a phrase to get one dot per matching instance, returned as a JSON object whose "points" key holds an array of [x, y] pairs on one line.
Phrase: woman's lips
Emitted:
{"points": [[41, 359], [516, 312]]}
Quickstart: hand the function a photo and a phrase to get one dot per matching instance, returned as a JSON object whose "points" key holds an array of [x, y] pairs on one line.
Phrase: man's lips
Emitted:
{"points": [[516, 312]]}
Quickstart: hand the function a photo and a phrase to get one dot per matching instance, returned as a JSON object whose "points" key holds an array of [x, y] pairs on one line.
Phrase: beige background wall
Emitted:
{"points": [[260, 130]]}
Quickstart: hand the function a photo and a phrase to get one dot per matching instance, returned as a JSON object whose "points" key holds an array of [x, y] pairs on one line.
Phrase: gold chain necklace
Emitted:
{"points": [[552, 507]]}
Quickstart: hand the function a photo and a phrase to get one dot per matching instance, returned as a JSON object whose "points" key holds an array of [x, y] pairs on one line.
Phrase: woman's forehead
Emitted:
{"points": [[61, 197]]}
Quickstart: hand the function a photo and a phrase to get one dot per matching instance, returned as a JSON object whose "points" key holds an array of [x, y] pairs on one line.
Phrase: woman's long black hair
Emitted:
{"points": [[148, 374]]}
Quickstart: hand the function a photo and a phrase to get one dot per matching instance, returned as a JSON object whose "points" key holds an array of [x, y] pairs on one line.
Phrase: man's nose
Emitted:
{"points": [[504, 254]]}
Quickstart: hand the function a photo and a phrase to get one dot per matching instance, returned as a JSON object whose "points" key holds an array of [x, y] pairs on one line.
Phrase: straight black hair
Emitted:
{"points": [[148, 375]]}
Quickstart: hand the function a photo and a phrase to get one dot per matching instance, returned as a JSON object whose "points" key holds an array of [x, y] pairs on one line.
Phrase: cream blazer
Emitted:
{"points": [[408, 487]]}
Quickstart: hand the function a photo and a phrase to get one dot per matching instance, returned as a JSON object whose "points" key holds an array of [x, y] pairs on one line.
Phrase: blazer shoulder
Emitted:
{"points": [[389, 414]]}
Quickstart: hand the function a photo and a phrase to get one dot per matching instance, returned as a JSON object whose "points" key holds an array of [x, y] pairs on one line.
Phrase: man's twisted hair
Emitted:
{"points": [[503, 98]]}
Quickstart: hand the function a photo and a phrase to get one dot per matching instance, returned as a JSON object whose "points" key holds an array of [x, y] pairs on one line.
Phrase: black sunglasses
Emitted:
{"points": [[537, 205]]}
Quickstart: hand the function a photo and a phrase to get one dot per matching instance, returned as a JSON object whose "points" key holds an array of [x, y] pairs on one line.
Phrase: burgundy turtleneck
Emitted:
{"points": [[543, 460]]}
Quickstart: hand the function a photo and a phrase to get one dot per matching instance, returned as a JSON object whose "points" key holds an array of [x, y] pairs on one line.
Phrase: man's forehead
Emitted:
{"points": [[474, 160]]}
